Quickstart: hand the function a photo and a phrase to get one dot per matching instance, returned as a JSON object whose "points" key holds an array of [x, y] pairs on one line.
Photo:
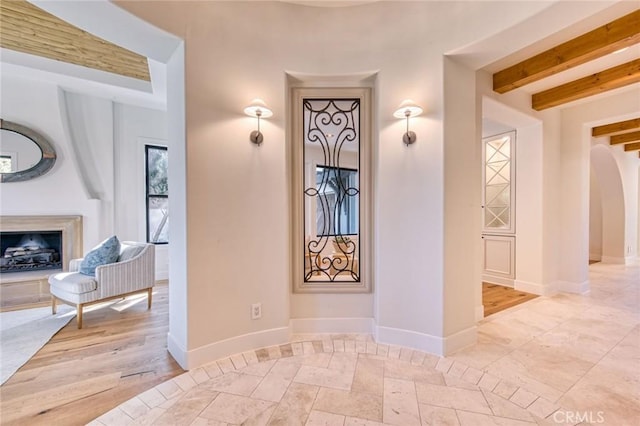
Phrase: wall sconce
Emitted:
{"points": [[258, 109], [408, 109]]}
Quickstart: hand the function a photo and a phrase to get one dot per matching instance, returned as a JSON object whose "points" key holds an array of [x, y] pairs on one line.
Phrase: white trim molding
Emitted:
{"points": [[332, 325], [492, 279], [614, 260], [194, 358], [534, 288], [479, 313], [572, 287], [427, 342]]}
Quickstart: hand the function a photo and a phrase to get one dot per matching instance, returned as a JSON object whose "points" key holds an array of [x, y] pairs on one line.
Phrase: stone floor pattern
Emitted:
{"points": [[566, 359]]}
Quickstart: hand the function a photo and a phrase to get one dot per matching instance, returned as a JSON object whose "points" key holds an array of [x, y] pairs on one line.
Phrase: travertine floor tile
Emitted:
{"points": [[450, 397], [354, 404], [438, 416], [325, 377], [236, 409], [321, 418], [541, 363], [400, 405], [295, 406], [235, 383]]}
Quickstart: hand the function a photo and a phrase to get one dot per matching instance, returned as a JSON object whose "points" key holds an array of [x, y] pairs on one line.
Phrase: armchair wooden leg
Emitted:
{"points": [[54, 307], [149, 293], [79, 308]]}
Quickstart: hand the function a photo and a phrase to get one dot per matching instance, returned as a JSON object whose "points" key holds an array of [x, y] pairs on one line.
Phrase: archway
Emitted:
{"points": [[606, 176]]}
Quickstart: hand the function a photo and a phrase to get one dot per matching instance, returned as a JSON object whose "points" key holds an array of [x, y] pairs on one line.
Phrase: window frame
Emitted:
{"points": [[296, 172], [148, 196]]}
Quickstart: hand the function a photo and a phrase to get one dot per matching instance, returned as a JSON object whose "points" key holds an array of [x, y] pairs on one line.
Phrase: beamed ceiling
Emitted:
{"points": [[622, 132], [28, 29], [601, 42]]}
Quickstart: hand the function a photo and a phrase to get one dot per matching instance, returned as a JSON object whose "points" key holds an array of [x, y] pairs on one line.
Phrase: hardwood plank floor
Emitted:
{"points": [[78, 375], [496, 298]]}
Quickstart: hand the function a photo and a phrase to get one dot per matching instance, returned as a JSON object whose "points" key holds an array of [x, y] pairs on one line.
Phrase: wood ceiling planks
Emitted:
{"points": [[29, 29]]}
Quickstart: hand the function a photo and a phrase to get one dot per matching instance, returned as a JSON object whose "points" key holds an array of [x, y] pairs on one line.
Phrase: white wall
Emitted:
{"points": [[135, 127]]}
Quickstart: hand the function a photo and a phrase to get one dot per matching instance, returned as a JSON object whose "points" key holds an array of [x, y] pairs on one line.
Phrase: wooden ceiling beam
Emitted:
{"points": [[603, 40], [624, 138], [613, 128], [29, 29], [632, 147], [600, 82]]}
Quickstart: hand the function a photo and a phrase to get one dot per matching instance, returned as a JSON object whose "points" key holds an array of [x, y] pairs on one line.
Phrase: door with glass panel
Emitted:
{"points": [[498, 208]]}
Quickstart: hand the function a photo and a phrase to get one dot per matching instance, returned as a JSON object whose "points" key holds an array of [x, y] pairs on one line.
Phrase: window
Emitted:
{"points": [[341, 216], [6, 164], [157, 193], [331, 189]]}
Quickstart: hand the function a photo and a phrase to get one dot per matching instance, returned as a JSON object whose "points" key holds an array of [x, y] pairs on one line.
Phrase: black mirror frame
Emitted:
{"points": [[43, 166]]}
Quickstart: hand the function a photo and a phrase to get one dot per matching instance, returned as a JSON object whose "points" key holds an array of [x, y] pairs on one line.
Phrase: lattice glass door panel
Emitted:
{"points": [[499, 183], [331, 189]]}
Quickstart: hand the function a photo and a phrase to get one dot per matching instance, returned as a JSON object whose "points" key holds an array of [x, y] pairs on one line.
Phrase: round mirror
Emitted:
{"points": [[24, 153]]}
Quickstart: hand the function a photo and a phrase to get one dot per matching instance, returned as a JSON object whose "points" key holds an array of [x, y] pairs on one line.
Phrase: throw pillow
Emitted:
{"points": [[104, 253]]}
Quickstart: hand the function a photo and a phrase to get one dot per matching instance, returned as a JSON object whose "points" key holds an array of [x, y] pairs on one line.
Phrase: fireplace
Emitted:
{"points": [[30, 251], [32, 248]]}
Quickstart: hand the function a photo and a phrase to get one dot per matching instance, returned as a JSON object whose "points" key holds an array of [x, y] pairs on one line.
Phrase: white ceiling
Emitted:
{"points": [[546, 24]]}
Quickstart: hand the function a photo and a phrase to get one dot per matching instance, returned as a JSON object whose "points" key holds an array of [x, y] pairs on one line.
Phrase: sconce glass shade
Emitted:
{"points": [[258, 108], [408, 108]]}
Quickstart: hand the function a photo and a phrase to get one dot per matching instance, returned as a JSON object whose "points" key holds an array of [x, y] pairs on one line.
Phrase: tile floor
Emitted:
{"points": [[566, 359]]}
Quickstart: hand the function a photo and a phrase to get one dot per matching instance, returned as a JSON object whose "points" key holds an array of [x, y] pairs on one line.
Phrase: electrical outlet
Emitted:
{"points": [[256, 311]]}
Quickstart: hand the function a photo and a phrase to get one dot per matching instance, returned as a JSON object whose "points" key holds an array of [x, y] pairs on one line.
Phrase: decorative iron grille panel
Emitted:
{"points": [[331, 189]]}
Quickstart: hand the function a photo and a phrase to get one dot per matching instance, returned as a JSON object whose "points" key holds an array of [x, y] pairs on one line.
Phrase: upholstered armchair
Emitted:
{"points": [[133, 272]]}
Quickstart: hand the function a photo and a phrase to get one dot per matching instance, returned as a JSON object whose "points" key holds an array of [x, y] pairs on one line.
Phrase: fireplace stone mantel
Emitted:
{"points": [[28, 288]]}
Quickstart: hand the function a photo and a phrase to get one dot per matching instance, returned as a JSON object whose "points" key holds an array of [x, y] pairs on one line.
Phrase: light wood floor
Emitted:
{"points": [[81, 374], [496, 298]]}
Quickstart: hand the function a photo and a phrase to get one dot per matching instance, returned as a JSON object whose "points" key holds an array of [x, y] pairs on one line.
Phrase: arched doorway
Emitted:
{"points": [[607, 214]]}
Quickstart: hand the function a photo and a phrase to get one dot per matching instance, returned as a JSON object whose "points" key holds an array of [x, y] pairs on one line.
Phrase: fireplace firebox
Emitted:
{"points": [[30, 251], [37, 246]]}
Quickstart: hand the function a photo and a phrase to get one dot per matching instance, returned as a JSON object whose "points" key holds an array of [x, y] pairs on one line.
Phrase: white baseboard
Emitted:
{"points": [[331, 325], [491, 279], [572, 287], [427, 342], [631, 260], [410, 339], [533, 288], [459, 340], [614, 260], [194, 358], [479, 313], [177, 352]]}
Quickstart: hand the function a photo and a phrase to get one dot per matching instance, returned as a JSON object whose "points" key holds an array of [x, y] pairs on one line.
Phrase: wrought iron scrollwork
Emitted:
{"points": [[332, 124]]}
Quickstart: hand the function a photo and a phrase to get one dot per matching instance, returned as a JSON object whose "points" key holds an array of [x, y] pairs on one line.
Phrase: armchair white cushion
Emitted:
{"points": [[134, 272]]}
